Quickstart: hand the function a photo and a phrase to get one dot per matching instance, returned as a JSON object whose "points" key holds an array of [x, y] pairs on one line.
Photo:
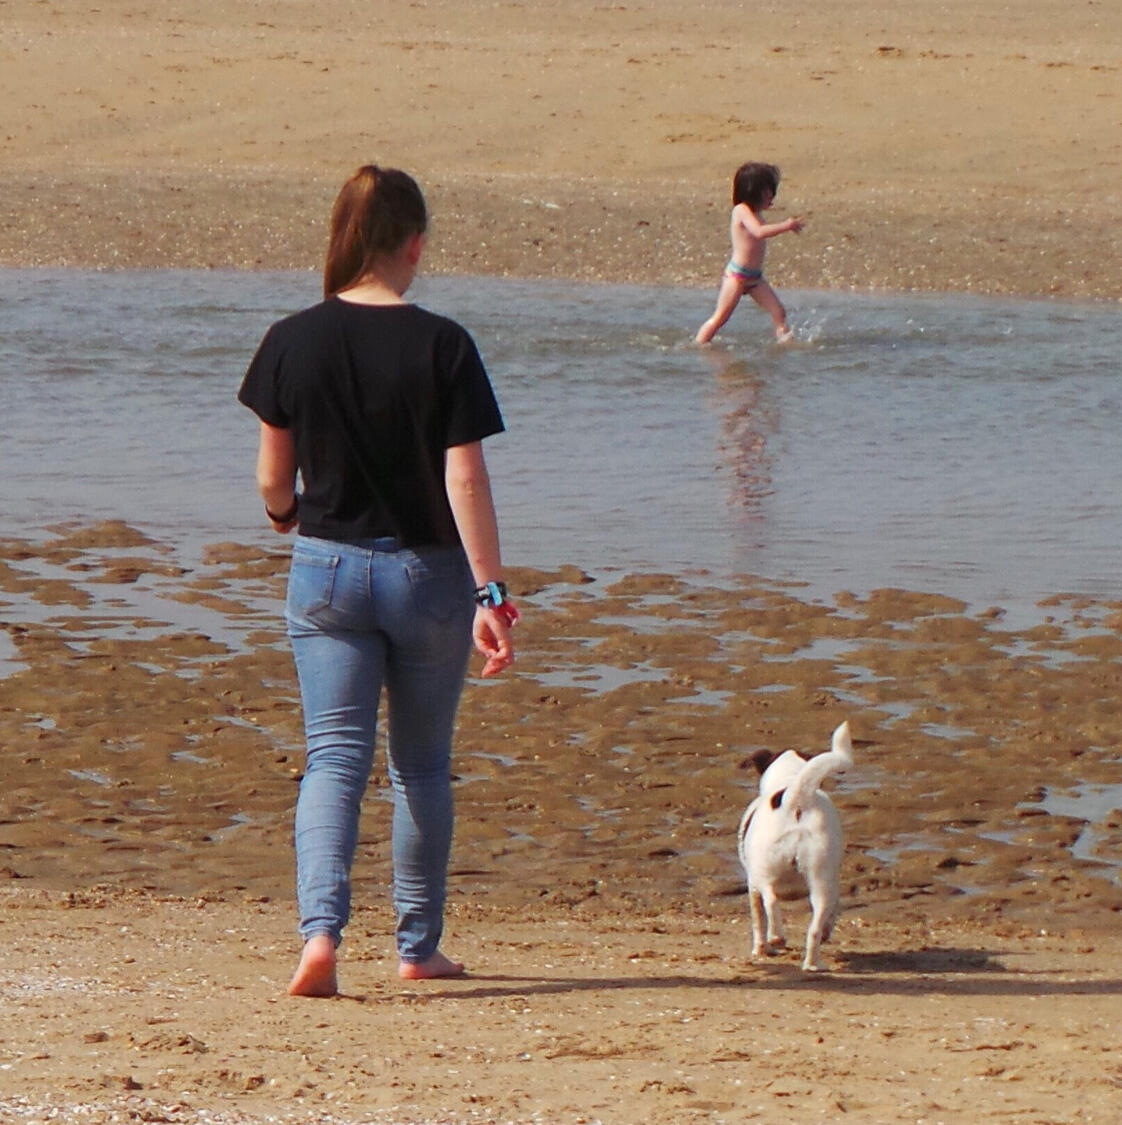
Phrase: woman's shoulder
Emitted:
{"points": [[437, 325], [296, 334], [320, 311], [437, 320], [294, 323]]}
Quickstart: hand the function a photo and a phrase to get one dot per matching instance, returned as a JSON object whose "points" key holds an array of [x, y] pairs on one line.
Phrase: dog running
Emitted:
{"points": [[790, 843]]}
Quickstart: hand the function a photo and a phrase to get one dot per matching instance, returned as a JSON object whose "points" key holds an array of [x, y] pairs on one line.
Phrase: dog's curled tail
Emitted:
{"points": [[836, 760]]}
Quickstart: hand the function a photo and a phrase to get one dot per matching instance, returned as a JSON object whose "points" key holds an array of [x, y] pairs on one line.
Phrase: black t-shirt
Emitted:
{"points": [[374, 395]]}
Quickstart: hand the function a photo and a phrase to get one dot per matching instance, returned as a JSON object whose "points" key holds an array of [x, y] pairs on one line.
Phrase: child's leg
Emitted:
{"points": [[768, 300], [728, 297]]}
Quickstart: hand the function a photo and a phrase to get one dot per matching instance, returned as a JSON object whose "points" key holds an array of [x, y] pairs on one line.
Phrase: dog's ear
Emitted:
{"points": [[761, 759]]}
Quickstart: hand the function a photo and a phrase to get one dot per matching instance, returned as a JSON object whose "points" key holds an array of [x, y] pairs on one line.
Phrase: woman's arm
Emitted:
{"points": [[276, 476], [469, 494], [468, 485]]}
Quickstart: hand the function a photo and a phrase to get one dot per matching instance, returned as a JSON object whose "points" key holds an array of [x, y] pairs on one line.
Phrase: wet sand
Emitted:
{"points": [[151, 773], [148, 708]]}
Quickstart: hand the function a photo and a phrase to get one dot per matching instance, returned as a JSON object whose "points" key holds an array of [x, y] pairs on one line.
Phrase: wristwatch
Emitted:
{"points": [[491, 594]]}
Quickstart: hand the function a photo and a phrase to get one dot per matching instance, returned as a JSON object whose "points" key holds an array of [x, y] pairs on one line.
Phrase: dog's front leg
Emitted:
{"points": [[759, 923]]}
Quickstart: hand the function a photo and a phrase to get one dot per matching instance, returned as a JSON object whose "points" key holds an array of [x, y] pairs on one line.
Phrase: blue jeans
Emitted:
{"points": [[360, 617]]}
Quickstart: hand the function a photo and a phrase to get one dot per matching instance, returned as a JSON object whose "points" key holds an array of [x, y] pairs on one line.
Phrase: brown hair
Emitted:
{"points": [[752, 182], [376, 212]]}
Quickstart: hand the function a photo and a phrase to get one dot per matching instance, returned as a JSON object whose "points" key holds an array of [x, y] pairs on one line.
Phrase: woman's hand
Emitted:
{"points": [[288, 519], [491, 632]]}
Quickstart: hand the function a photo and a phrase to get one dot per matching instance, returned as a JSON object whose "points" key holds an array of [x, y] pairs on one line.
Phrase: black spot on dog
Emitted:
{"points": [[761, 759]]}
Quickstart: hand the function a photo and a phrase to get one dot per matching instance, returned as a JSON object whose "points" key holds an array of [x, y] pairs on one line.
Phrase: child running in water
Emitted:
{"points": [[753, 191]]}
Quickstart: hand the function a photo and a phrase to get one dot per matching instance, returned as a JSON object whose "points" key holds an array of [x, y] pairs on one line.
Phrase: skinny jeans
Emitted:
{"points": [[360, 617]]}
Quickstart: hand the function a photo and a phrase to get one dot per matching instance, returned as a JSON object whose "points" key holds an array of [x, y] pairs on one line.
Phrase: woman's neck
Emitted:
{"points": [[387, 281], [373, 291]]}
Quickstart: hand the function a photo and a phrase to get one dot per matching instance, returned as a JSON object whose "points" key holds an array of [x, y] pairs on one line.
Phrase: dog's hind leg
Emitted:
{"points": [[822, 914], [776, 938]]}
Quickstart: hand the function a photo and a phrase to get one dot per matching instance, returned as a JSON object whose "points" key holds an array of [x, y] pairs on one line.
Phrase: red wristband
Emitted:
{"points": [[507, 611]]}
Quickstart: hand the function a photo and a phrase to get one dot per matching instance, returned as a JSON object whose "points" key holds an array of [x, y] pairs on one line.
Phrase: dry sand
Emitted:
{"points": [[974, 146], [150, 770]]}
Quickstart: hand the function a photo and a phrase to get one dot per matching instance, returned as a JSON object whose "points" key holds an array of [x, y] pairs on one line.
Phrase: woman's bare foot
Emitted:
{"points": [[436, 966], [315, 975]]}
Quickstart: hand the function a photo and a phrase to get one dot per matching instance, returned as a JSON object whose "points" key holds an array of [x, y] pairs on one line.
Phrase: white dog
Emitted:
{"points": [[790, 843]]}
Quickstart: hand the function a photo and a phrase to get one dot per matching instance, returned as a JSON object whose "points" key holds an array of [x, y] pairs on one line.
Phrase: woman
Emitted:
{"points": [[381, 406]]}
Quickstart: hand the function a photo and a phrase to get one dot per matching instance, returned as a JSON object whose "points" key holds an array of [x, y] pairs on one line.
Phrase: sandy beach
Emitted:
{"points": [[151, 770], [595, 896], [972, 149]]}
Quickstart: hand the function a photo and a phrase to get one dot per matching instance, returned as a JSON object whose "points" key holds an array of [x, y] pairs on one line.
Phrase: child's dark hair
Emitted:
{"points": [[752, 182], [376, 212]]}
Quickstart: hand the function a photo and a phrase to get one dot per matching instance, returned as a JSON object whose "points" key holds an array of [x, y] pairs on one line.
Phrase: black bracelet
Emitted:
{"points": [[491, 594], [288, 516]]}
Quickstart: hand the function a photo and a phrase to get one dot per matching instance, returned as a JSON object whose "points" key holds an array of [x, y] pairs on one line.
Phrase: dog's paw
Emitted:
{"points": [[771, 949], [814, 967]]}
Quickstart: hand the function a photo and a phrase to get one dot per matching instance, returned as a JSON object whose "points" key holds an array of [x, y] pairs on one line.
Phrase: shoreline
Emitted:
{"points": [[501, 231]]}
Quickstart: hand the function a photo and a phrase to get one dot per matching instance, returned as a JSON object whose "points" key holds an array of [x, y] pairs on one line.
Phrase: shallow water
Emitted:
{"points": [[967, 447], [956, 447]]}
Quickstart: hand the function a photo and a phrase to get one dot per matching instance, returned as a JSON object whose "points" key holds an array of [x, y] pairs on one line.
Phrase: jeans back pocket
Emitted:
{"points": [[440, 583], [311, 584]]}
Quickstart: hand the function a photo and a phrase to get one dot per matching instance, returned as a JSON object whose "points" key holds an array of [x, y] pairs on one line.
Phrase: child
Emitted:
{"points": [[753, 191]]}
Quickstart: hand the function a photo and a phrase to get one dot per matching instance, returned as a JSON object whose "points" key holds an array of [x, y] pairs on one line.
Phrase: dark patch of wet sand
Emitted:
{"points": [[612, 766]]}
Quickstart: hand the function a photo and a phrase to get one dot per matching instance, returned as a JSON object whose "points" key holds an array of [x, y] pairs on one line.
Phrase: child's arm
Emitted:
{"points": [[750, 221]]}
